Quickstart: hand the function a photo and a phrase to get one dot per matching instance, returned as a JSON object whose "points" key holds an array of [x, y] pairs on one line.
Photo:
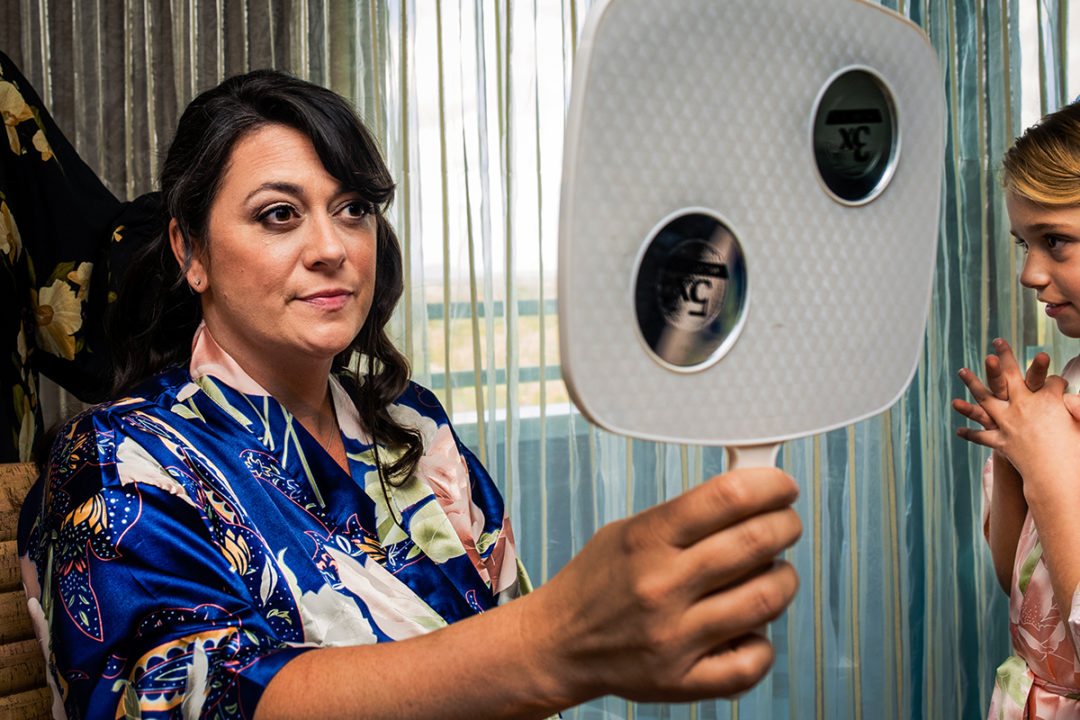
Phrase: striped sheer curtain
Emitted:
{"points": [[899, 615]]}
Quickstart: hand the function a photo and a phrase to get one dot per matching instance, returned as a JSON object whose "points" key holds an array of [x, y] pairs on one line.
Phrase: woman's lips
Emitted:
{"points": [[328, 299]]}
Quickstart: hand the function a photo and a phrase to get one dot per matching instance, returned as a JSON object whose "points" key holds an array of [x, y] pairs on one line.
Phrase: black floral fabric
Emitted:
{"points": [[65, 240]]}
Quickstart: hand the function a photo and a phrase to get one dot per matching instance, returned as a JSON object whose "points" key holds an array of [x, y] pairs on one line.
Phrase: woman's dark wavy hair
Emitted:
{"points": [[156, 313]]}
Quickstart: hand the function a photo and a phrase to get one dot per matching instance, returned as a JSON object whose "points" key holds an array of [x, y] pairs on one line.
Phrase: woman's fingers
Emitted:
{"points": [[714, 633], [731, 669], [737, 552], [660, 597], [720, 502], [737, 652], [727, 670], [741, 608]]}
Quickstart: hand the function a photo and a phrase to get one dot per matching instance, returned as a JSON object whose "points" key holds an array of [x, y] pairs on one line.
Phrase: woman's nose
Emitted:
{"points": [[324, 245]]}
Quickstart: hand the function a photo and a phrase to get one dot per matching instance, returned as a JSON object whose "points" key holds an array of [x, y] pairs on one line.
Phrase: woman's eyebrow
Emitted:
{"points": [[292, 189], [280, 186]]}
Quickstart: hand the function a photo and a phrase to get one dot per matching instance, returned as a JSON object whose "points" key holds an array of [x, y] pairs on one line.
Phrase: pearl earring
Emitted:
{"points": [[198, 283]]}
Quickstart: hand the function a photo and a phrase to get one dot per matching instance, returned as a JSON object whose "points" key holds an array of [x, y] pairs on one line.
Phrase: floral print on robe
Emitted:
{"points": [[190, 539]]}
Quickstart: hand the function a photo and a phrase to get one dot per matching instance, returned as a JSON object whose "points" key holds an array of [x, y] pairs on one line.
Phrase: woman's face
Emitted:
{"points": [[289, 269], [1050, 237]]}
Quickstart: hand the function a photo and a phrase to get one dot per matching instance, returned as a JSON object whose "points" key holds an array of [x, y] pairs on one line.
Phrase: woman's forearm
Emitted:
{"points": [[480, 667], [665, 605]]}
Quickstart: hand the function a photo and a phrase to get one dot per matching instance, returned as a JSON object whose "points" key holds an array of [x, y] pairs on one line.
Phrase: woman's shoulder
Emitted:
{"points": [[86, 445], [423, 401], [420, 409], [415, 401], [162, 389]]}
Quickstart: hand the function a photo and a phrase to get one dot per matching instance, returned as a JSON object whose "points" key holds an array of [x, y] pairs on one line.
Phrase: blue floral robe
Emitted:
{"points": [[189, 540]]}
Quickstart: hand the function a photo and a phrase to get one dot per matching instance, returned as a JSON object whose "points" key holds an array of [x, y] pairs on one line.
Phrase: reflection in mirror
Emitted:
{"points": [[855, 136], [690, 291]]}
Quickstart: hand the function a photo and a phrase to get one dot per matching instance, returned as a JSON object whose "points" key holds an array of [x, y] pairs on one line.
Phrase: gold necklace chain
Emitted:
{"points": [[334, 430]]}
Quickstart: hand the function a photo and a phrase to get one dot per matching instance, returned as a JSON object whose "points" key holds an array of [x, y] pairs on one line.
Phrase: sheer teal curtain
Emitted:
{"points": [[899, 615]]}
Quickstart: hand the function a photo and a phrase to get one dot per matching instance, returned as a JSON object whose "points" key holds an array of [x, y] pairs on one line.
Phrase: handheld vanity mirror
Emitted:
{"points": [[748, 219]]}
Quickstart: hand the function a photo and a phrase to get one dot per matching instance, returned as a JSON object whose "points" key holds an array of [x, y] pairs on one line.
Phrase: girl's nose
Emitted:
{"points": [[1034, 275]]}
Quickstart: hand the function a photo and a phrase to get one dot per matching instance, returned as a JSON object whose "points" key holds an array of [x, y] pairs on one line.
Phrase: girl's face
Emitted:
{"points": [[1050, 237], [289, 272]]}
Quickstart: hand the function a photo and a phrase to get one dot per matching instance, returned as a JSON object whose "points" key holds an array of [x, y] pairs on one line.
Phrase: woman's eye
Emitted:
{"points": [[277, 215], [1052, 242], [359, 209]]}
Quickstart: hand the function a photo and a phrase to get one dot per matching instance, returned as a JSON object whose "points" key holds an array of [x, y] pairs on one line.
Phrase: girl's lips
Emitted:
{"points": [[1055, 309]]}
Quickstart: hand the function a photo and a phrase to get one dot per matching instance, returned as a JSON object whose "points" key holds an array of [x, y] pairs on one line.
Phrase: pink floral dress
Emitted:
{"points": [[1041, 679]]}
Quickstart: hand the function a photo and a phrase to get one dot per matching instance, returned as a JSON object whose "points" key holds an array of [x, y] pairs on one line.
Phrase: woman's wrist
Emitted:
{"points": [[543, 641]]}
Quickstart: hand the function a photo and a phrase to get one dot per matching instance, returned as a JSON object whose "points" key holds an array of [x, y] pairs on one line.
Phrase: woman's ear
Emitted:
{"points": [[196, 275]]}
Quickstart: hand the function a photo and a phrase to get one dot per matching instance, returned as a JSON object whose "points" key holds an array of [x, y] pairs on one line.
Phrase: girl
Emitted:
{"points": [[1032, 476]]}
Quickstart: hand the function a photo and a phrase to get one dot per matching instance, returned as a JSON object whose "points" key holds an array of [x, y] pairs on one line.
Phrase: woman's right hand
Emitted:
{"points": [[670, 604]]}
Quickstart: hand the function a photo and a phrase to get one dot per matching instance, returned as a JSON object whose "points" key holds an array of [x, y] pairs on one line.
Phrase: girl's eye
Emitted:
{"points": [[277, 215], [1052, 242], [1021, 244]]}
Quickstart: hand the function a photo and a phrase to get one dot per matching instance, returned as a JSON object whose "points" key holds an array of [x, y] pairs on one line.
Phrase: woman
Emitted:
{"points": [[1031, 478], [241, 534]]}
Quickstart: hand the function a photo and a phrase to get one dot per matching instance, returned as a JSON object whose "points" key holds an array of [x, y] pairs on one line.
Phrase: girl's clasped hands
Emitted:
{"points": [[1026, 417]]}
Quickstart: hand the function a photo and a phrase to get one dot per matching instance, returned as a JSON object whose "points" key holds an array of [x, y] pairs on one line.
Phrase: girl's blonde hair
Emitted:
{"points": [[1043, 165]]}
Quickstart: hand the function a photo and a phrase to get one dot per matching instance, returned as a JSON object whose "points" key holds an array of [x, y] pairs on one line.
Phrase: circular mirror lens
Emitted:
{"points": [[855, 137], [690, 291]]}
